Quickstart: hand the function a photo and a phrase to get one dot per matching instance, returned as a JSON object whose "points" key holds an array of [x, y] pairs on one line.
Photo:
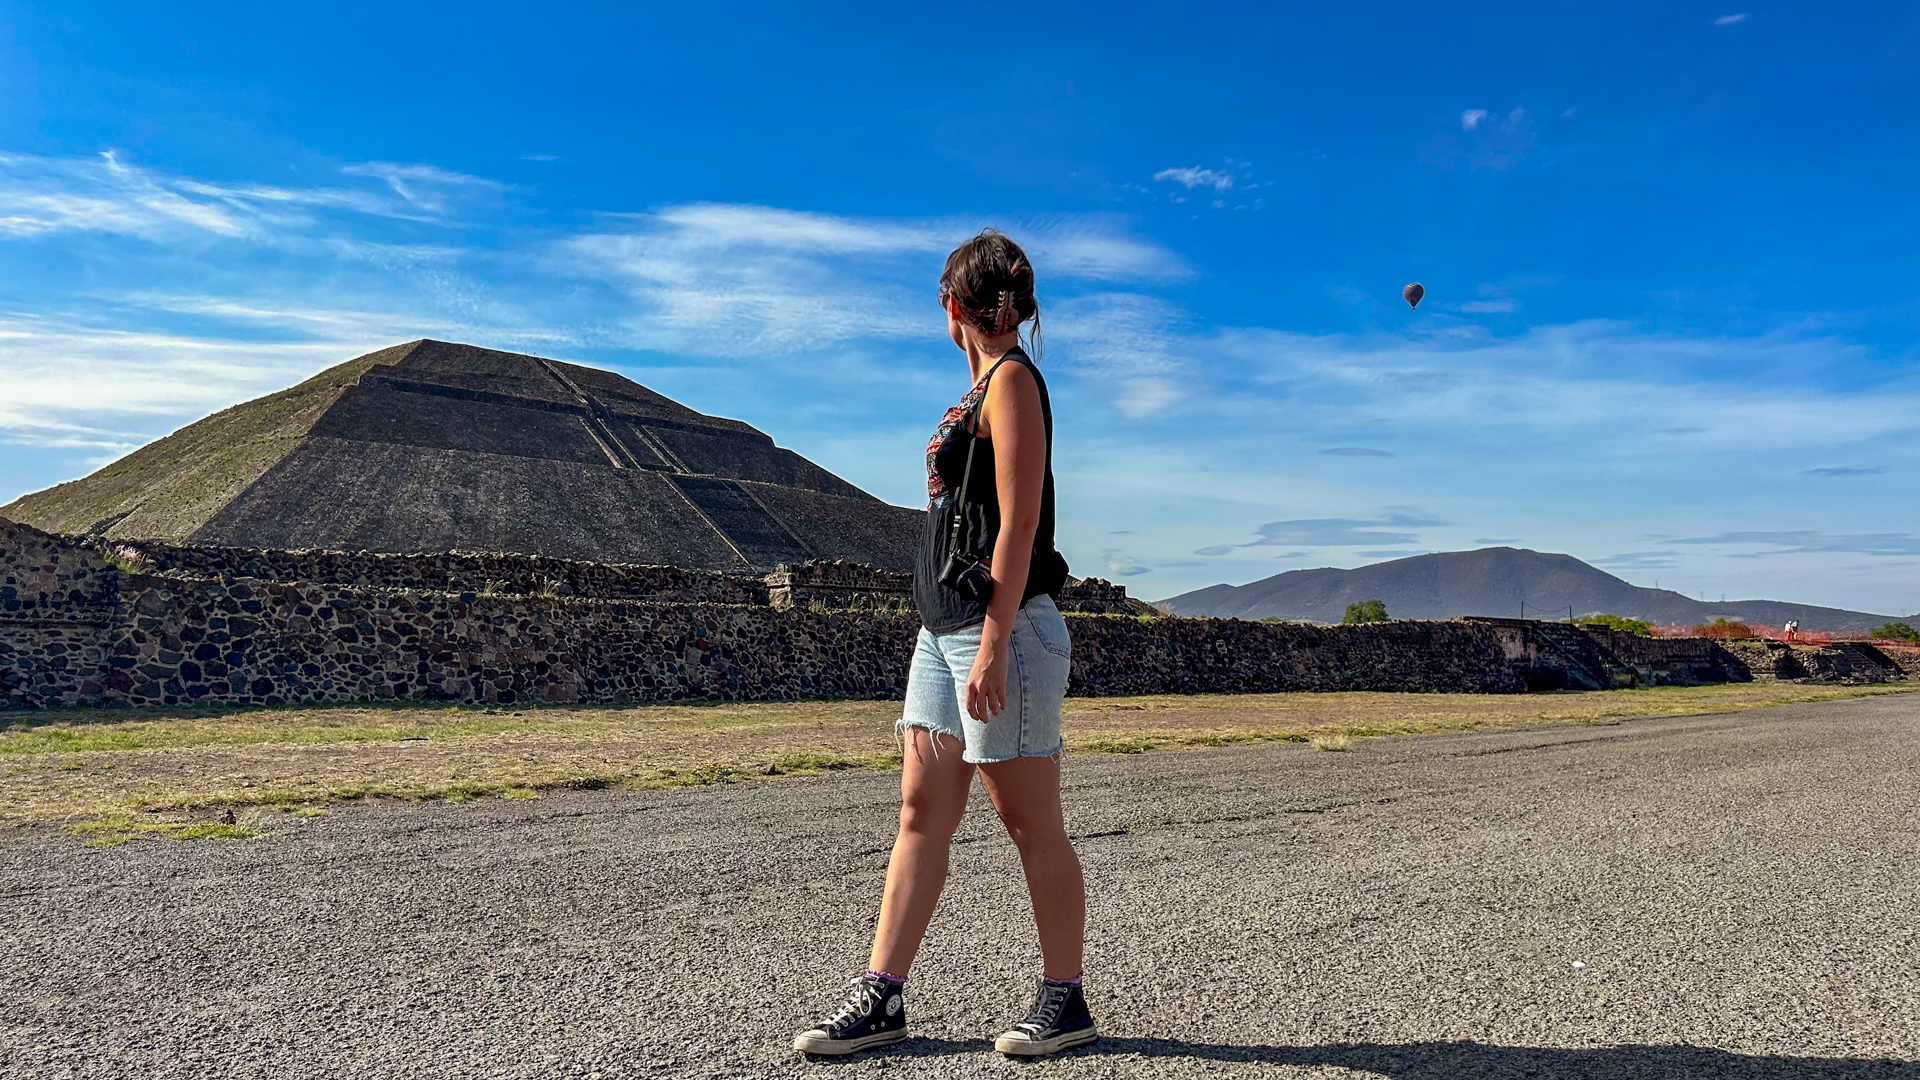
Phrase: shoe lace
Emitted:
{"points": [[863, 995], [1046, 1009]]}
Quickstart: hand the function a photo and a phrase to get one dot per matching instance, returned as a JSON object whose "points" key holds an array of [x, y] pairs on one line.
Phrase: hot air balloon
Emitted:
{"points": [[1413, 293]]}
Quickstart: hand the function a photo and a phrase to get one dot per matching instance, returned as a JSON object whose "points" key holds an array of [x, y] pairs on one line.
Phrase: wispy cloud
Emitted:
{"points": [[428, 187], [730, 280], [1129, 340], [1491, 142], [1195, 177], [1553, 381], [1334, 532], [73, 383], [1636, 560], [1846, 470], [1809, 541], [1731, 20], [1496, 540], [1355, 451], [44, 196]]}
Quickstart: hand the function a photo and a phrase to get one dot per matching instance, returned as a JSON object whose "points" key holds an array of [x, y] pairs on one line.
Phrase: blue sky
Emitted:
{"points": [[1669, 252]]}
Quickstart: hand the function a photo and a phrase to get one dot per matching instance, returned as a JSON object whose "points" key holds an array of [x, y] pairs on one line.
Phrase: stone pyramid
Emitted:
{"points": [[433, 446]]}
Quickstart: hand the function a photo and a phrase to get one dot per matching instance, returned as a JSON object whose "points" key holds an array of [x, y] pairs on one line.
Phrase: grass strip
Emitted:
{"points": [[127, 766]]}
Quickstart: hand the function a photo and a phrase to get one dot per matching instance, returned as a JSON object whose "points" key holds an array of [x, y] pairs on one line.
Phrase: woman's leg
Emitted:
{"points": [[1026, 792], [933, 798]]}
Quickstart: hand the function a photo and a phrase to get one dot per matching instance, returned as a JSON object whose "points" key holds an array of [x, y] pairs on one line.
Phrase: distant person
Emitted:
{"points": [[1792, 628], [989, 670]]}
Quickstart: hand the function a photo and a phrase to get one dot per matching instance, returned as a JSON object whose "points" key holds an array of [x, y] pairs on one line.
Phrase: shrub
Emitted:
{"points": [[1896, 631], [1723, 628], [128, 560], [1638, 627], [1365, 611]]}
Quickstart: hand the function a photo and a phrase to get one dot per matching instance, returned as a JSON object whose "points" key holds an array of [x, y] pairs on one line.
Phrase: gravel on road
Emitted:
{"points": [[1704, 897]]}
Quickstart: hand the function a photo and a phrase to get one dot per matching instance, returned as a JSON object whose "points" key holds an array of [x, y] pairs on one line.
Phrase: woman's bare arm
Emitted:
{"points": [[1011, 417]]}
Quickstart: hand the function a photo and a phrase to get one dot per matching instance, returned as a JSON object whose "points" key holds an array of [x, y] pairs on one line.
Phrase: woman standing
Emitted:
{"points": [[989, 671]]}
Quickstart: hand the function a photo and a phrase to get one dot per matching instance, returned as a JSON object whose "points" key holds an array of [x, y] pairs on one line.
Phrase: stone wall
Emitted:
{"points": [[40, 572], [1842, 662], [449, 571], [1118, 654], [1670, 661], [271, 643], [836, 583], [84, 633], [75, 630], [1097, 596], [58, 605]]}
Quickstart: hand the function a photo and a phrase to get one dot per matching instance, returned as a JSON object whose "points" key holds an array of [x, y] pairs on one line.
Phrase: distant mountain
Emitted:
{"points": [[1490, 581]]}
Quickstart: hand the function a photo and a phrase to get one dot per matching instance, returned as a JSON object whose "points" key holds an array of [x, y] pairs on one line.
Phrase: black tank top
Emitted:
{"points": [[941, 609]]}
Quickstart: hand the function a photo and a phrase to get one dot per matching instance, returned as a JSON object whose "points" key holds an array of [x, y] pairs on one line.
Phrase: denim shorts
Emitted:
{"points": [[1038, 656]]}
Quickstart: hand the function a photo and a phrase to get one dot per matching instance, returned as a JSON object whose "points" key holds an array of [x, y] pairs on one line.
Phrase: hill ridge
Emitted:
{"points": [[1490, 581]]}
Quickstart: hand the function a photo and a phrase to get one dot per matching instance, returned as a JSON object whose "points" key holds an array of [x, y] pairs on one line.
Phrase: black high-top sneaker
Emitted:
{"points": [[1059, 1019], [874, 1015]]}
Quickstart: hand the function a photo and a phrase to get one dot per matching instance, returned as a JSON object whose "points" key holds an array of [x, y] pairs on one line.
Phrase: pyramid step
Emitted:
{"points": [[740, 517]]}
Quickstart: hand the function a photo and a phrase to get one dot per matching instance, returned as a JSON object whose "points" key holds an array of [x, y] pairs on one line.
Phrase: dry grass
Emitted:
{"points": [[1331, 740], [173, 767]]}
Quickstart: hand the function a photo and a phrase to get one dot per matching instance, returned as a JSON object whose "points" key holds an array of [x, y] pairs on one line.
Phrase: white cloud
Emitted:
{"points": [[42, 196], [1471, 119], [1554, 380], [1489, 307], [1807, 541], [729, 280], [1195, 177], [428, 187], [1731, 20], [1128, 341], [1335, 532], [78, 380]]}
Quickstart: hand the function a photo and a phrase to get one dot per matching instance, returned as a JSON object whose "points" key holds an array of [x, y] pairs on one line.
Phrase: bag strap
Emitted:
{"points": [[971, 423]]}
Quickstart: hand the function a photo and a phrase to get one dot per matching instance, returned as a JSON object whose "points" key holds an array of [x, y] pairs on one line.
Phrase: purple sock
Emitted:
{"points": [[1075, 981], [894, 982]]}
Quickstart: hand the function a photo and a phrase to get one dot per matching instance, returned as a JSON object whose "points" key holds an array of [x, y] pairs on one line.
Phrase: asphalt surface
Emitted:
{"points": [[1701, 897]]}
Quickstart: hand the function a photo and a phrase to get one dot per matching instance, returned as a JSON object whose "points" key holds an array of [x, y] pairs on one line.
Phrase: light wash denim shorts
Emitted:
{"points": [[1038, 657]]}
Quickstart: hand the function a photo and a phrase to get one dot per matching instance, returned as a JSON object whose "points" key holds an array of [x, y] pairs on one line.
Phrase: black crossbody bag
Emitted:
{"points": [[965, 572]]}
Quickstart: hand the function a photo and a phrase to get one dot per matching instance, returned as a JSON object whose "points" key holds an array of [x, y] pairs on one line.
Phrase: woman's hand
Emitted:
{"points": [[987, 683]]}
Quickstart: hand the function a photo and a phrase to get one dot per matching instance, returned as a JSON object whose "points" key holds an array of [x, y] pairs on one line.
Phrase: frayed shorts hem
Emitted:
{"points": [[901, 725]]}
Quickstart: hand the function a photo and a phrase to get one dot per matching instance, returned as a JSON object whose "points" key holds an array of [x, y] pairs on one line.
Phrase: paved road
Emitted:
{"points": [[1742, 891]]}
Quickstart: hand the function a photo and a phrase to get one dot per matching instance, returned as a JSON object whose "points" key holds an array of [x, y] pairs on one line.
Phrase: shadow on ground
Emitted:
{"points": [[1454, 1060], [1466, 1060]]}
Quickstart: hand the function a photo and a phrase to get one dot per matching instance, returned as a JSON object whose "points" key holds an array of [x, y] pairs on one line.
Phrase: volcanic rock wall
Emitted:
{"points": [[180, 626], [447, 571]]}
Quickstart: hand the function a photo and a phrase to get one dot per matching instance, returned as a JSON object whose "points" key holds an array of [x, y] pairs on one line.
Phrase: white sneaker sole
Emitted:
{"points": [[809, 1043], [1021, 1046]]}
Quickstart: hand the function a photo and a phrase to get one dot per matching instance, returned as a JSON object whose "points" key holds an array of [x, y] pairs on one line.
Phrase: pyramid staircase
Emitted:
{"points": [[1589, 665]]}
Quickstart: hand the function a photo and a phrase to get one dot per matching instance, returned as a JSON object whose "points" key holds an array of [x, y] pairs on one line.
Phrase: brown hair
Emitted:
{"points": [[992, 280]]}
